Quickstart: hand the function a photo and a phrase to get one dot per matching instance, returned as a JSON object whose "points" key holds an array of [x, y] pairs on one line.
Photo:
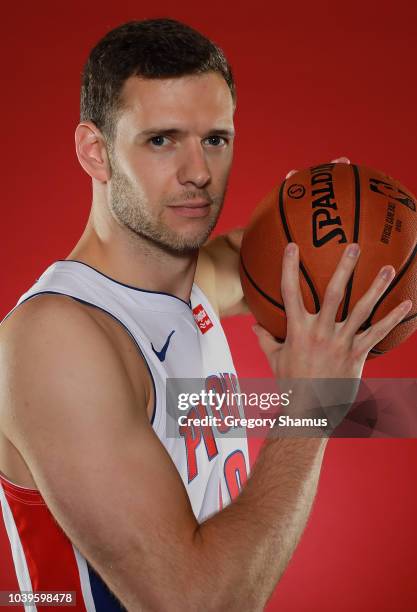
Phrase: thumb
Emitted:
{"points": [[266, 340]]}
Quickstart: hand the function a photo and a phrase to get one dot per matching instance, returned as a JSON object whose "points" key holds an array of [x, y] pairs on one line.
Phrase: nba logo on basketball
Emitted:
{"points": [[202, 319]]}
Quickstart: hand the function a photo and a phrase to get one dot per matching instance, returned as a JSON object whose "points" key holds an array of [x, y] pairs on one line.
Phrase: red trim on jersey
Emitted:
{"points": [[8, 578], [48, 551]]}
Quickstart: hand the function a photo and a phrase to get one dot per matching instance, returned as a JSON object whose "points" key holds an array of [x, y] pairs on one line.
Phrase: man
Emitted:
{"points": [[96, 498]]}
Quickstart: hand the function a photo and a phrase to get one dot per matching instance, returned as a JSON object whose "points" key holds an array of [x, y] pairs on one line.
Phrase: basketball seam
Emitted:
{"points": [[395, 281], [289, 239], [258, 289], [356, 224], [411, 316]]}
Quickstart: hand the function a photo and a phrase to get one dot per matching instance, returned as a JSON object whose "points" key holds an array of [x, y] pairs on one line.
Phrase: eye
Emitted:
{"points": [[216, 141], [158, 141]]}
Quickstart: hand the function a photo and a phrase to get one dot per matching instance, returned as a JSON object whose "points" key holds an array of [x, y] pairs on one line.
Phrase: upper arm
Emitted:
{"points": [[68, 406], [218, 273]]}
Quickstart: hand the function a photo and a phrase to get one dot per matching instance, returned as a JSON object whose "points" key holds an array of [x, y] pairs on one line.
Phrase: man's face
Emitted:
{"points": [[171, 158]]}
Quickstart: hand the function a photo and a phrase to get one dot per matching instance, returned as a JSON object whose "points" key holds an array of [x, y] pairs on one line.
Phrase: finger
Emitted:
{"points": [[364, 306], [266, 340], [335, 289], [290, 286], [338, 160], [341, 160], [377, 332]]}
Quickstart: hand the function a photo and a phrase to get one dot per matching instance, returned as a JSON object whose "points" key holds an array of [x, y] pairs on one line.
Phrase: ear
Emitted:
{"points": [[92, 152]]}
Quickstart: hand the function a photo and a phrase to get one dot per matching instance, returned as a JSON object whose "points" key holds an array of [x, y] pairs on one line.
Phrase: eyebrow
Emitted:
{"points": [[175, 132]]}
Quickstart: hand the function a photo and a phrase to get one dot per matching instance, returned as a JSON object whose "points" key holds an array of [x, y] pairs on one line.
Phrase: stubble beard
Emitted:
{"points": [[131, 209]]}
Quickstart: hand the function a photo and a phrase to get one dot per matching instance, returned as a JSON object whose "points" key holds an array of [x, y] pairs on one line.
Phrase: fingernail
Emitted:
{"points": [[406, 305], [291, 249], [255, 329], [353, 250], [387, 273], [340, 160]]}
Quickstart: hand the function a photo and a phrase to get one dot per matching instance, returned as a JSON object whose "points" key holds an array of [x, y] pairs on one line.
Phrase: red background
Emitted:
{"points": [[315, 81]]}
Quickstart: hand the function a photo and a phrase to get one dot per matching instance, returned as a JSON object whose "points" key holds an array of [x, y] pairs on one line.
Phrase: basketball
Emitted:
{"points": [[322, 209]]}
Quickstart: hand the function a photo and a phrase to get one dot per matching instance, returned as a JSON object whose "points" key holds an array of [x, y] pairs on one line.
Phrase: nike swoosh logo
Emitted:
{"points": [[162, 353]]}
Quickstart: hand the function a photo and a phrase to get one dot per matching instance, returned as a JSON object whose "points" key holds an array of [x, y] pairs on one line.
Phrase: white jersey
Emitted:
{"points": [[177, 340]]}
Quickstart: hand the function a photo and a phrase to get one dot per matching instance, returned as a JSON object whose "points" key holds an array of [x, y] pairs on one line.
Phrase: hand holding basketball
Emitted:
{"points": [[322, 209], [316, 346]]}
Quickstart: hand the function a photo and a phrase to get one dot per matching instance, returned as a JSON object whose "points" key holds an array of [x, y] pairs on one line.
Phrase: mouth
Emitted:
{"points": [[191, 209]]}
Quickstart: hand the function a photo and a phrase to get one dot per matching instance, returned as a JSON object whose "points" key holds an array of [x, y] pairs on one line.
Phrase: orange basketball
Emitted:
{"points": [[322, 209]]}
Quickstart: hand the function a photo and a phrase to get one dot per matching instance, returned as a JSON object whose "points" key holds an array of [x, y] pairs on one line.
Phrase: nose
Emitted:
{"points": [[193, 167]]}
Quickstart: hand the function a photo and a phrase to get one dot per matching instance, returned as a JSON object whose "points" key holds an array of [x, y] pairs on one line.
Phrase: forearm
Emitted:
{"points": [[245, 548], [233, 560]]}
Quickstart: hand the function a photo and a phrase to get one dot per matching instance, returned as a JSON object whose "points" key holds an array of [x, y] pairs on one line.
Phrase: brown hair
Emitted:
{"points": [[153, 49]]}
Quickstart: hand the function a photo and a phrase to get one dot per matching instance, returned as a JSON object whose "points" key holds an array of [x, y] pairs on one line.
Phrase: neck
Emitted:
{"points": [[133, 260]]}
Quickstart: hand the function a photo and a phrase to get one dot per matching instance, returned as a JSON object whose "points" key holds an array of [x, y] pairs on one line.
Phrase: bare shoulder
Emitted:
{"points": [[46, 329], [52, 345], [45, 310], [44, 316]]}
